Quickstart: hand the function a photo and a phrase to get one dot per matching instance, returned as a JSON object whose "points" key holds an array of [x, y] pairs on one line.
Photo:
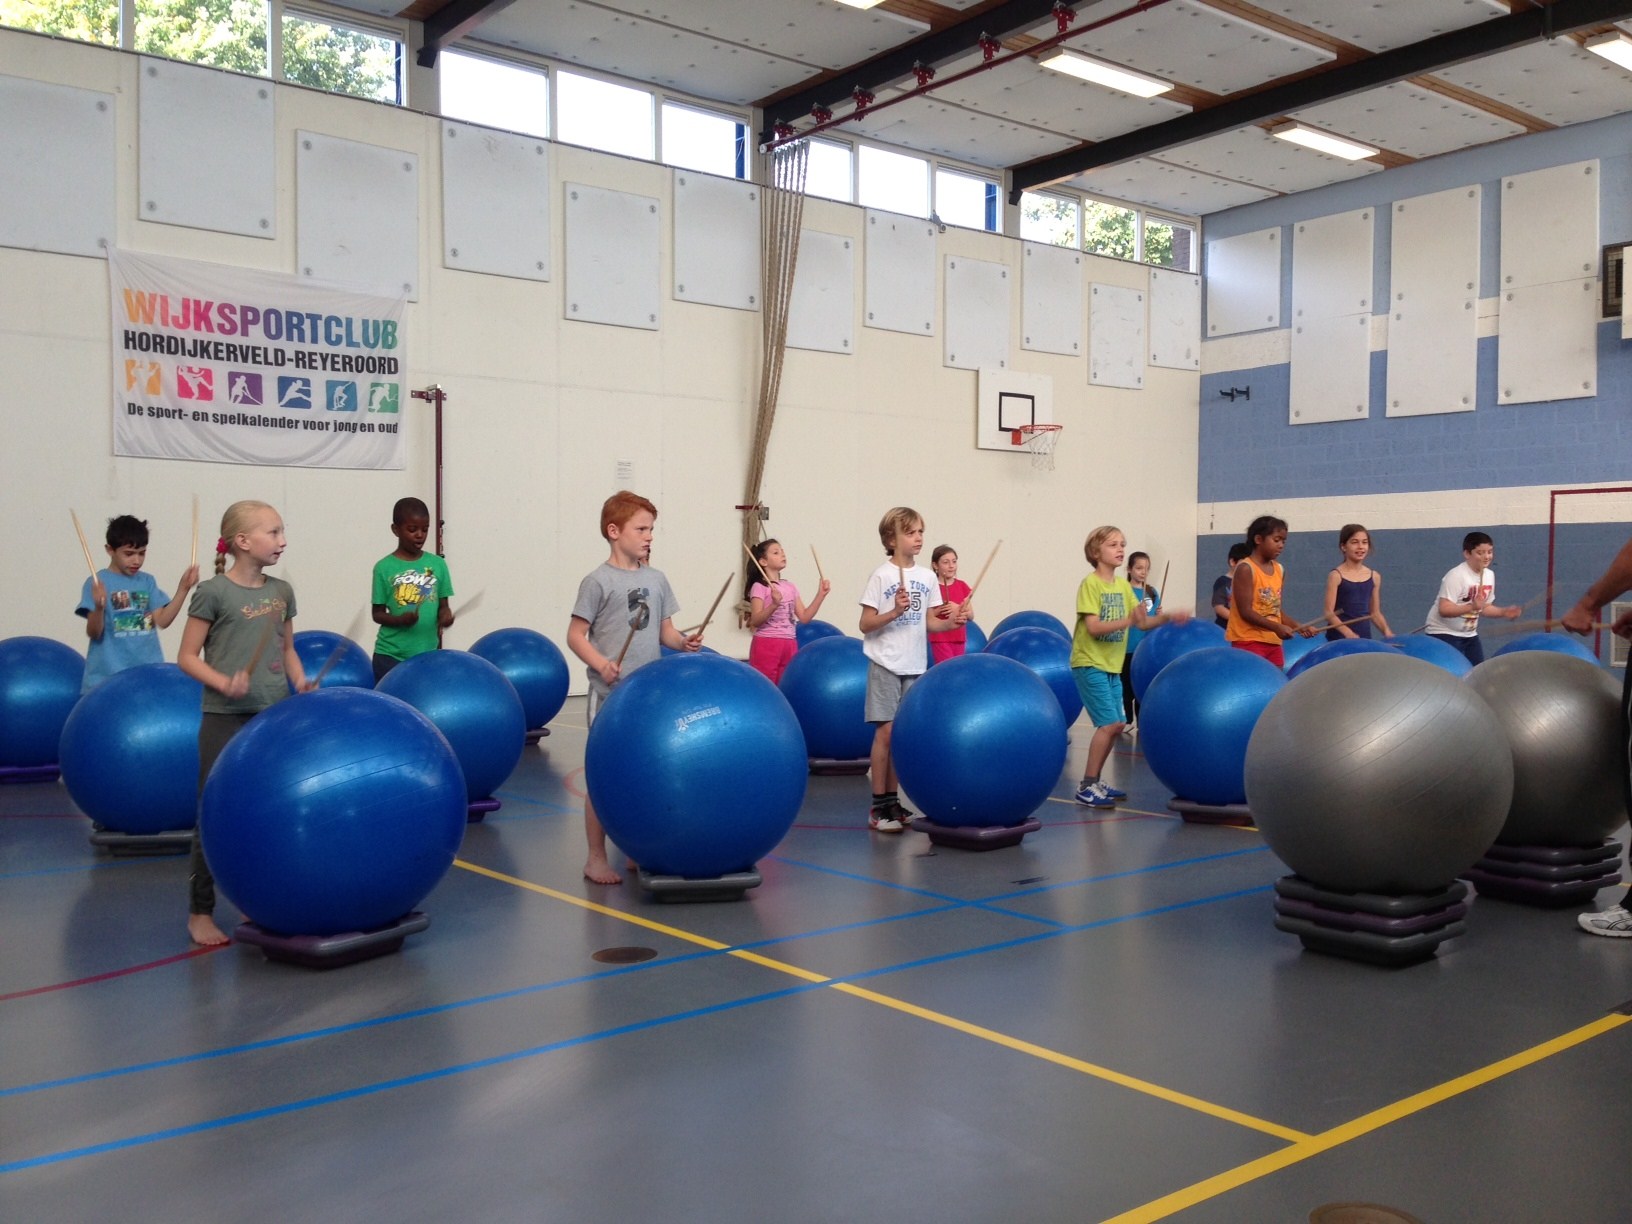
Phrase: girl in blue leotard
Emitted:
{"points": [[1354, 592]]}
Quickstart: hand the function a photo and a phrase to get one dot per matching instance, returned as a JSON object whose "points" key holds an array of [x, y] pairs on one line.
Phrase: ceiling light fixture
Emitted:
{"points": [[1615, 46], [1322, 142], [861, 4], [1099, 72]]}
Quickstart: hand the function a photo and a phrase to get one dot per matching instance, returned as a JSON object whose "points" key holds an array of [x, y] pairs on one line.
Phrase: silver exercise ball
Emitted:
{"points": [[1379, 773], [1562, 716]]}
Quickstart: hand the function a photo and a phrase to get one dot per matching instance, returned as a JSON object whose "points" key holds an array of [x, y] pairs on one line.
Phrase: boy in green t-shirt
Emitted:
{"points": [[1106, 608], [404, 583]]}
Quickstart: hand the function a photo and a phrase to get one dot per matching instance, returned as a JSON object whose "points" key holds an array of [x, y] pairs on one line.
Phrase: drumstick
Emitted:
{"points": [[260, 646], [758, 566], [193, 561], [641, 619], [1161, 590], [80, 531], [820, 577], [471, 604], [981, 578], [713, 606], [351, 636]]}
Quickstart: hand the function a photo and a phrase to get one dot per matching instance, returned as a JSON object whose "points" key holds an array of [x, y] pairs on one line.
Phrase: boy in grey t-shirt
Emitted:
{"points": [[621, 620]]}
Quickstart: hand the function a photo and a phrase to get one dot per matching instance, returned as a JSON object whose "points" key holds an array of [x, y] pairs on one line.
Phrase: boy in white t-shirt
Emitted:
{"points": [[1465, 594], [898, 608]]}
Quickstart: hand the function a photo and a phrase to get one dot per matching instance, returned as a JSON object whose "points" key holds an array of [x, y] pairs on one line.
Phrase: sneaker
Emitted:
{"points": [[1614, 922], [1112, 791], [1094, 795], [884, 820], [903, 813]]}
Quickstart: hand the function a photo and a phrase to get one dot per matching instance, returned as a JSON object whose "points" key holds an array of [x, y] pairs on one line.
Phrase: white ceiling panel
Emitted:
{"points": [[1024, 92], [610, 42], [1251, 155], [1190, 44], [953, 131], [1556, 81], [1147, 180], [1378, 25], [1409, 120]]}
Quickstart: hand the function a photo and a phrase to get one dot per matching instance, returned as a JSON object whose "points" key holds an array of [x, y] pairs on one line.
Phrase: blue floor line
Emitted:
{"points": [[96, 866], [1136, 871], [497, 1060]]}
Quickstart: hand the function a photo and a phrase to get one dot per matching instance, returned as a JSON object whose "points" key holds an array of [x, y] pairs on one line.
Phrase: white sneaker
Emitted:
{"points": [[1614, 922], [882, 820]]}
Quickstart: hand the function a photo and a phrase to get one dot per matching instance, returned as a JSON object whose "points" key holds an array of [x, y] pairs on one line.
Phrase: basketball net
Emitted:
{"points": [[1039, 440]]}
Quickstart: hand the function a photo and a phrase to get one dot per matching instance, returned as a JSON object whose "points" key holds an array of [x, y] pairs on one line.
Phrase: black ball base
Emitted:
{"points": [[825, 767], [1547, 876], [331, 951], [141, 845], [732, 886], [1375, 928], [477, 809], [980, 837], [1211, 813]]}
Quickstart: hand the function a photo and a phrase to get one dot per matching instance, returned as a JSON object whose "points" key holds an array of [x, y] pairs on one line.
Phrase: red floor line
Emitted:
{"points": [[41, 816], [102, 977]]}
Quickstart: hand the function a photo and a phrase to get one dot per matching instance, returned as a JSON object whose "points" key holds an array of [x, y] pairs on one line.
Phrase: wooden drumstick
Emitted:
{"points": [[711, 607], [982, 576], [80, 532], [641, 619], [193, 558], [758, 566], [339, 651], [260, 646], [820, 577]]}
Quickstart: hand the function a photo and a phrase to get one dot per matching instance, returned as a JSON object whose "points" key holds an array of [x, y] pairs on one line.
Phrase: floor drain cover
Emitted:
{"points": [[1360, 1213], [629, 956]]}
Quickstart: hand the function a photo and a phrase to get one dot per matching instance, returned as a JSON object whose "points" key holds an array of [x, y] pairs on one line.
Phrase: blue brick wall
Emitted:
{"points": [[1412, 563]]}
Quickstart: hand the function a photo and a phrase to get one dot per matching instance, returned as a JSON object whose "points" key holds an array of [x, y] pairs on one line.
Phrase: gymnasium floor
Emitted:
{"points": [[1101, 1024]]}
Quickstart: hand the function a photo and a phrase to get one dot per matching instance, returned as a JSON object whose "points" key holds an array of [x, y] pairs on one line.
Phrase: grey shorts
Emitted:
{"points": [[884, 692], [594, 704]]}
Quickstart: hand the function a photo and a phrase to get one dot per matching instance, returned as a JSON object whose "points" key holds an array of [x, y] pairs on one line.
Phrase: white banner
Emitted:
{"points": [[235, 365]]}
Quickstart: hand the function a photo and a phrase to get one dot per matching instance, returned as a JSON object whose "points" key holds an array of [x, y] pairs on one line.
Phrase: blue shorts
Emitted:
{"points": [[1101, 694]]}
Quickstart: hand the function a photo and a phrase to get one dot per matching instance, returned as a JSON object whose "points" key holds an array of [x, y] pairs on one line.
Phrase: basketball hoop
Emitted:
{"points": [[1039, 440]]}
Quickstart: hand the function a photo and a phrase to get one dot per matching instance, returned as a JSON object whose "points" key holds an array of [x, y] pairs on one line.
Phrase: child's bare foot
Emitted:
{"points": [[201, 929], [598, 871]]}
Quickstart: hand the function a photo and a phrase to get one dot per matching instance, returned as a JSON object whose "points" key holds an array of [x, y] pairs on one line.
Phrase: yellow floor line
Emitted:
{"points": [[1180, 1200], [973, 1030]]}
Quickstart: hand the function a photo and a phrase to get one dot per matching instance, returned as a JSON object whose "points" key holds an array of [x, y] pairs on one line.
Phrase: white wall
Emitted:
{"points": [[540, 409]]}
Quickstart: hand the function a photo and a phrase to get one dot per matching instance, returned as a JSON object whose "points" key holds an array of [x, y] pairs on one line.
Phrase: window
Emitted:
{"points": [[1169, 244], [1049, 218], [963, 199], [340, 58], [495, 93], [893, 181], [95, 21], [215, 32], [831, 172], [1110, 229], [703, 140], [601, 115]]}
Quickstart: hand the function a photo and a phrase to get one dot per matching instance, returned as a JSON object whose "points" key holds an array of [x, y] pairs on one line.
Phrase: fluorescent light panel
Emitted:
{"points": [[1615, 46], [862, 4], [1322, 142], [1073, 63]]}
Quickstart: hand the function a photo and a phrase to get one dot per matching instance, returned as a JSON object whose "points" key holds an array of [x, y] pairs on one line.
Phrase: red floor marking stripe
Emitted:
{"points": [[102, 977], [41, 816], [566, 783]]}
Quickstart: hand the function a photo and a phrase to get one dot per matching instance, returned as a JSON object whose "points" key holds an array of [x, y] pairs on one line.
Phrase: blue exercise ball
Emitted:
{"points": [[130, 750], [1049, 655], [1165, 643], [1431, 650], [1197, 717], [332, 811], [806, 632], [979, 742], [696, 766], [1327, 651], [39, 684], [352, 668], [472, 704], [1030, 620], [1295, 648], [826, 685], [534, 665], [1558, 643]]}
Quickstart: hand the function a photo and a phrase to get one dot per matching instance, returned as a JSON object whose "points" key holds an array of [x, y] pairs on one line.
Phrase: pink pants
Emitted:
{"points": [[770, 656]]}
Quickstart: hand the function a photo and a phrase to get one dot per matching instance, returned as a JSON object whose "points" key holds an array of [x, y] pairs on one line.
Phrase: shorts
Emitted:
{"points": [[1470, 647], [1264, 650], [885, 690], [1101, 693], [593, 704]]}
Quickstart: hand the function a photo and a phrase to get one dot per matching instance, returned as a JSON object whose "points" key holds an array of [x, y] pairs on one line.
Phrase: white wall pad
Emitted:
{"points": [[1244, 283], [357, 214], [1116, 336], [822, 315], [1550, 225], [495, 202], [899, 290], [57, 147], [1331, 265], [1051, 300], [979, 301], [612, 243], [716, 241], [1004, 401], [208, 153], [1175, 319], [1331, 370], [1433, 319], [1548, 348]]}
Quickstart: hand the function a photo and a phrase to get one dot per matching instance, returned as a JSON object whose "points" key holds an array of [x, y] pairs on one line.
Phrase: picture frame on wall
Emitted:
{"points": [[1614, 280]]}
